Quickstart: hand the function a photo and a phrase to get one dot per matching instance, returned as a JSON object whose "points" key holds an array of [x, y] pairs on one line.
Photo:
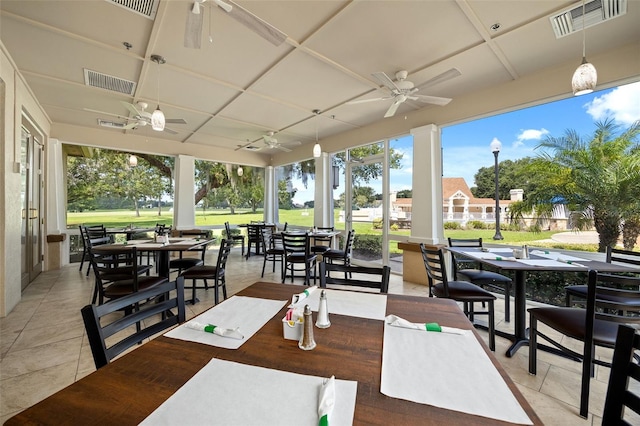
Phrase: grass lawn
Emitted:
{"points": [[301, 217]]}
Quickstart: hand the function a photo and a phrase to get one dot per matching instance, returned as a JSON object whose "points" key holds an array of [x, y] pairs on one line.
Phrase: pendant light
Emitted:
{"points": [[239, 171], [157, 118], [133, 160], [585, 77], [317, 149]]}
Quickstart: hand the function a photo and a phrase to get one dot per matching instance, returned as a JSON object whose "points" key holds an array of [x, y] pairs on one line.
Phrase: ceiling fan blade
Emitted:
{"points": [[282, 148], [132, 125], [175, 120], [193, 30], [447, 75], [431, 99], [106, 113], [361, 101], [392, 109], [170, 131], [131, 107], [384, 79], [225, 6], [254, 23]]}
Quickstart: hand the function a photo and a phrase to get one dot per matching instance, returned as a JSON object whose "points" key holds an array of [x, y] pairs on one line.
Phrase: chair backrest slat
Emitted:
{"points": [[377, 278], [223, 255], [623, 256], [100, 326], [433, 258], [619, 393]]}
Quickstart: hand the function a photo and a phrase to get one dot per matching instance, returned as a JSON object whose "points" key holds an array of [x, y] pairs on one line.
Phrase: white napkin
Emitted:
{"points": [[210, 328], [297, 298], [327, 400], [396, 321]]}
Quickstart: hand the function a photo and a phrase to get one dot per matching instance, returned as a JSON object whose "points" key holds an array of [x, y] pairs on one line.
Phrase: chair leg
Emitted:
{"points": [[533, 345], [264, 263], [507, 303], [193, 292], [587, 373], [492, 327]]}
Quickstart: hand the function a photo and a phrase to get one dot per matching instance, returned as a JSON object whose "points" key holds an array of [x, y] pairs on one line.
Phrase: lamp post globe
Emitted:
{"points": [[495, 148]]}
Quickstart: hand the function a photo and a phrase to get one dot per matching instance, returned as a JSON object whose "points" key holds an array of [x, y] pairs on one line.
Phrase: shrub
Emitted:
{"points": [[476, 224], [394, 227], [452, 225], [368, 245], [377, 223]]}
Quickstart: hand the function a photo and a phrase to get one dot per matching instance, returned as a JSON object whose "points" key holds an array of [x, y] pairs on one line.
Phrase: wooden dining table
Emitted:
{"points": [[520, 269], [163, 250], [129, 389]]}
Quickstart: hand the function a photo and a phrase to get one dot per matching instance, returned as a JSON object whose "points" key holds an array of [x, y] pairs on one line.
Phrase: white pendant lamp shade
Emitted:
{"points": [[157, 120], [584, 79], [133, 161], [317, 150], [240, 171]]}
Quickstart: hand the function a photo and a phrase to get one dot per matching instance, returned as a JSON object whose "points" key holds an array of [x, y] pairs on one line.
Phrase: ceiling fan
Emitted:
{"points": [[403, 90], [270, 142], [193, 29], [140, 117]]}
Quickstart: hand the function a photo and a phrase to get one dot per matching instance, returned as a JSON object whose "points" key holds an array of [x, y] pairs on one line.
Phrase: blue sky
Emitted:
{"points": [[466, 146]]}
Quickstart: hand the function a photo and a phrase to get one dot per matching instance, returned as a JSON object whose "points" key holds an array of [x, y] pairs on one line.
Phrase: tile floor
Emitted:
{"points": [[43, 347]]}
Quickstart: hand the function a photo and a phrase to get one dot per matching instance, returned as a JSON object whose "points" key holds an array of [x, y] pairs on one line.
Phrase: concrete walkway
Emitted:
{"points": [[576, 237]]}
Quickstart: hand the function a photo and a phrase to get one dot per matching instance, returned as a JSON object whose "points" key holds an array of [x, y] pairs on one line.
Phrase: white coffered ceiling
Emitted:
{"points": [[241, 86]]}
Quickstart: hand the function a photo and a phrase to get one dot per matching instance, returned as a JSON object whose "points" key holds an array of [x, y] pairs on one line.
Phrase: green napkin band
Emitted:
{"points": [[433, 326], [324, 421], [209, 328]]}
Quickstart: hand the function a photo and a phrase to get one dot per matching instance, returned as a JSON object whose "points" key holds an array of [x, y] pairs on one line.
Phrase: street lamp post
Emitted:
{"points": [[495, 148]]}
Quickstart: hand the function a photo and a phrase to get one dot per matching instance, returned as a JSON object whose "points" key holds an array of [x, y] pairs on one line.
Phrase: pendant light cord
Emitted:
{"points": [[584, 36]]}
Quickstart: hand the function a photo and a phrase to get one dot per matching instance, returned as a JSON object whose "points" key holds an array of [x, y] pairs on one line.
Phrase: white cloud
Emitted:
{"points": [[622, 105], [529, 135]]}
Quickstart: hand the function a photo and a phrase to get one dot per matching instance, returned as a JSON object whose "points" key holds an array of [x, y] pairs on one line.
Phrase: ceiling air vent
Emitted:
{"points": [[146, 8], [108, 82], [596, 11], [110, 124]]}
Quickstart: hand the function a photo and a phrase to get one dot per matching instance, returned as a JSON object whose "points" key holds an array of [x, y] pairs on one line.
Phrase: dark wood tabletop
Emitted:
{"points": [[132, 387]]}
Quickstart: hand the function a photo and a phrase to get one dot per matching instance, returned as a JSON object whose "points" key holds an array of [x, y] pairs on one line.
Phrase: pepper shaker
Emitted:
{"points": [[306, 342]]}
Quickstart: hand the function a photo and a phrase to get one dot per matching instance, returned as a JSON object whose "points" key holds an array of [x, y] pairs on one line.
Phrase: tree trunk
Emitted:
{"points": [[159, 207], [135, 202], [608, 228], [630, 232]]}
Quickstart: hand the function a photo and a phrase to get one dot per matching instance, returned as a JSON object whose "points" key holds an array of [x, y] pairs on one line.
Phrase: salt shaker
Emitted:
{"points": [[323, 312], [525, 251], [306, 342]]}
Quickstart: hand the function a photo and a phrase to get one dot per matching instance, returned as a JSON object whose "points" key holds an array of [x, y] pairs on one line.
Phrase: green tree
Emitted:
{"points": [[365, 173], [405, 193], [285, 194], [597, 178], [364, 196], [511, 175]]}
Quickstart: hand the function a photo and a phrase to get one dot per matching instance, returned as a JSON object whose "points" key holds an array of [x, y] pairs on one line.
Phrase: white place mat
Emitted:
{"points": [[247, 313], [151, 245], [229, 393], [183, 241], [446, 370], [488, 255], [549, 263], [349, 303], [558, 256]]}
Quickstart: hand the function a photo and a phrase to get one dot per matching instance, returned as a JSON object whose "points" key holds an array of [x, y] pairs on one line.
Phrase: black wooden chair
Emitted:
{"points": [[272, 250], [118, 274], [620, 395], [460, 291], [626, 257], [343, 256], [92, 236], [253, 237], [322, 243], [465, 269], [207, 272], [597, 325], [110, 335], [298, 252], [233, 237], [191, 258], [376, 278]]}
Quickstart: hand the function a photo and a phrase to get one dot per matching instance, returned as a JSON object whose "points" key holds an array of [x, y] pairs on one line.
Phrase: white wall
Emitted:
{"points": [[17, 99]]}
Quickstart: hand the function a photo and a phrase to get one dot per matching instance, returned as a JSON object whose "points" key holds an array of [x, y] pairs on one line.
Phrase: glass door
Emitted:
{"points": [[31, 160], [366, 205]]}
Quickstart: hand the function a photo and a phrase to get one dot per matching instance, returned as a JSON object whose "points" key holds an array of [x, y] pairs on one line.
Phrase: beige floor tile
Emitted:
{"points": [[33, 359]]}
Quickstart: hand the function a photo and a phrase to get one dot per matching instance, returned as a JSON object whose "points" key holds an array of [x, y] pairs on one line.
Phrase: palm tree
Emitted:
{"points": [[597, 178]]}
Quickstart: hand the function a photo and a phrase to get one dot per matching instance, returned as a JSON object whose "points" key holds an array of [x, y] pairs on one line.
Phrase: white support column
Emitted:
{"points": [[184, 209], [427, 182], [270, 195], [56, 201], [323, 195]]}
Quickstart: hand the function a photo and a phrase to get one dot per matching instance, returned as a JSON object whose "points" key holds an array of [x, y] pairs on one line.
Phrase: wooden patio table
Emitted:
{"points": [[129, 389]]}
